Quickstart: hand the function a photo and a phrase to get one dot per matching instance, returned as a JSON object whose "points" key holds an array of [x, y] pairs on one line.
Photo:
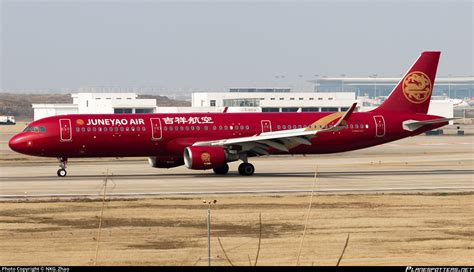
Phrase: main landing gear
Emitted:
{"points": [[246, 169], [221, 170], [62, 164]]}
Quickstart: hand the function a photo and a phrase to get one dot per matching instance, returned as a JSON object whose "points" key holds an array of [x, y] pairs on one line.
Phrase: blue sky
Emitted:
{"points": [[211, 45]]}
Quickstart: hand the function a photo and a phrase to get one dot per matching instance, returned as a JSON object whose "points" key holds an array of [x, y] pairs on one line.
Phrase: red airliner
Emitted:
{"points": [[211, 140]]}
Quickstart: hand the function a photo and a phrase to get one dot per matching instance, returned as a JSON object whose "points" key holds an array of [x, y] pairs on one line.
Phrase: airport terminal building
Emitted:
{"points": [[275, 100], [284, 100], [453, 87], [84, 103], [251, 99]]}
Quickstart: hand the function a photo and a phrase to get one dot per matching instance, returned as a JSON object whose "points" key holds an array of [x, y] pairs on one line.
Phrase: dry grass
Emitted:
{"points": [[386, 229]]}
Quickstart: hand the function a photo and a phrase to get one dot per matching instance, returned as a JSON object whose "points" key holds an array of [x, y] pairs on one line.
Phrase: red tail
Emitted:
{"points": [[413, 92]]}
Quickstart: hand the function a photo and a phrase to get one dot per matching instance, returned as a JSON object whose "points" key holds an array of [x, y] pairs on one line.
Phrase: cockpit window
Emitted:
{"points": [[35, 129]]}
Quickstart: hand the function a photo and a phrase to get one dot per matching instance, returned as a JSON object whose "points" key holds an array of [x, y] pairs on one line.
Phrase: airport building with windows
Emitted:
{"points": [[235, 100], [275, 100], [284, 100], [453, 87], [84, 103]]}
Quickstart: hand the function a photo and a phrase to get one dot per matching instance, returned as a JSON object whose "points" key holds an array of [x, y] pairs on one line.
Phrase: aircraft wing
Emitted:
{"points": [[284, 140], [412, 125]]}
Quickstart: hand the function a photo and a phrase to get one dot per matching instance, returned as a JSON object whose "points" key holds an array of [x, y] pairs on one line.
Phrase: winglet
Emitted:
{"points": [[340, 124], [343, 120]]}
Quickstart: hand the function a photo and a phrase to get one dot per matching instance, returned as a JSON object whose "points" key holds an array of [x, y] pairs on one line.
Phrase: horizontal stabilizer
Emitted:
{"points": [[412, 125]]}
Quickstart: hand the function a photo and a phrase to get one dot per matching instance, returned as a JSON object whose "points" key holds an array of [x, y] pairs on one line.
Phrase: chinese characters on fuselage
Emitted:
{"points": [[187, 120]]}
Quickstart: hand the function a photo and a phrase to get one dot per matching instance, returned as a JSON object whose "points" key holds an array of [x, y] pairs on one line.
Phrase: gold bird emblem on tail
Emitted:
{"points": [[417, 87]]}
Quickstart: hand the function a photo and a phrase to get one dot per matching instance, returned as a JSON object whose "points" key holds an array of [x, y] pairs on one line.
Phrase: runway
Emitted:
{"points": [[416, 164], [375, 170]]}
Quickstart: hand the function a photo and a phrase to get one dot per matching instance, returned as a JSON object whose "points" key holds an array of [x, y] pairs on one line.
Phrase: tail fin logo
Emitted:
{"points": [[417, 87]]}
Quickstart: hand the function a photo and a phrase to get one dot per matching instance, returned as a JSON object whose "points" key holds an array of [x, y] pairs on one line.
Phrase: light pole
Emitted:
{"points": [[342, 82], [316, 86], [209, 203], [375, 85], [449, 86]]}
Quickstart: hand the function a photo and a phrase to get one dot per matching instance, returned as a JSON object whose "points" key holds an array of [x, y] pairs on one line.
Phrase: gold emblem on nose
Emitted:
{"points": [[80, 122], [417, 87]]}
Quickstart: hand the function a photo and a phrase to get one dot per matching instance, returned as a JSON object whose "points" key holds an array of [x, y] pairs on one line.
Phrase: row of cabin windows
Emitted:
{"points": [[197, 128], [111, 129], [187, 128], [166, 128], [320, 126], [247, 127]]}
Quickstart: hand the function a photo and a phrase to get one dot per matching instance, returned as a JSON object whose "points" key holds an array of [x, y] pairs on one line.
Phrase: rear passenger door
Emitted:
{"points": [[379, 126], [266, 126]]}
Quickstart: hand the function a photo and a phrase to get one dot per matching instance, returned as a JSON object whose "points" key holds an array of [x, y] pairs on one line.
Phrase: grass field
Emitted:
{"points": [[385, 229]]}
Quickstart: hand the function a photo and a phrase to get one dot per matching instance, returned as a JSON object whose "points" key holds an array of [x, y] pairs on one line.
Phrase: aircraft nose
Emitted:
{"points": [[19, 144]]}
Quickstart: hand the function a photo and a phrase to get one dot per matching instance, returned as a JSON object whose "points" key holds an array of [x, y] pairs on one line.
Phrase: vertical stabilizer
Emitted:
{"points": [[413, 92]]}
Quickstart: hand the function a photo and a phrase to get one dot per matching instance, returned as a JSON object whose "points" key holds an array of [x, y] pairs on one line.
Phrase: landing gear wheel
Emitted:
{"points": [[62, 164], [221, 170], [61, 172], [246, 169]]}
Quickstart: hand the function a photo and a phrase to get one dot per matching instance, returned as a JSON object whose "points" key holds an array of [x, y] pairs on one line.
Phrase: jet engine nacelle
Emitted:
{"points": [[165, 161], [204, 157]]}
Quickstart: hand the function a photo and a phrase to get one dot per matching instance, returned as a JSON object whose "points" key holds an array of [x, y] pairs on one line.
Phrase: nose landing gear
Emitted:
{"points": [[62, 164]]}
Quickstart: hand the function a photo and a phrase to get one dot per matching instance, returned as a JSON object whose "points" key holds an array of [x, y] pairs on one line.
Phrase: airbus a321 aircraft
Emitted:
{"points": [[212, 140]]}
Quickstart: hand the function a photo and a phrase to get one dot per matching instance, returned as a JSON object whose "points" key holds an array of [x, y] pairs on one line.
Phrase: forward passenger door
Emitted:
{"points": [[156, 133], [65, 134]]}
